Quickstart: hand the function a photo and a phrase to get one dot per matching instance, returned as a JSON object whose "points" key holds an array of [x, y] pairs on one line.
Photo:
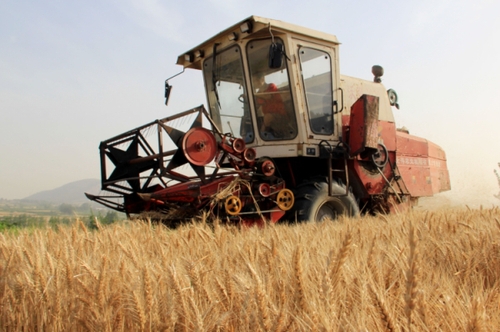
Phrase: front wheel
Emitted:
{"points": [[312, 202]]}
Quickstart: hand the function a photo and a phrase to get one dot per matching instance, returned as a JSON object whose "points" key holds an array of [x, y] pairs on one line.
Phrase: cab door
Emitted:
{"points": [[316, 65]]}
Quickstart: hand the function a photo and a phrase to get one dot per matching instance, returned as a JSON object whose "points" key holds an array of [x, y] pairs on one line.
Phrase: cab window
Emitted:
{"points": [[226, 90], [317, 79], [271, 94]]}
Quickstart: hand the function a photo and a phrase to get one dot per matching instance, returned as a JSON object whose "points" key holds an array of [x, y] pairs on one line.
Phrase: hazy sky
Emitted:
{"points": [[73, 73]]}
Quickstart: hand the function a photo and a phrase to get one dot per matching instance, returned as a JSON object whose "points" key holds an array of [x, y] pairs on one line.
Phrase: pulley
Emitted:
{"points": [[232, 205], [238, 145], [199, 146], [264, 189], [249, 155], [285, 199], [266, 167], [381, 157]]}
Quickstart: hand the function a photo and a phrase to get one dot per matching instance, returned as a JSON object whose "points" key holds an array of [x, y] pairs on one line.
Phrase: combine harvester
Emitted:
{"points": [[285, 137]]}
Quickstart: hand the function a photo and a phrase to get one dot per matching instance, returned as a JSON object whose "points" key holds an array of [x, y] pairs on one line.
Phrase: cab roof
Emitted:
{"points": [[253, 26]]}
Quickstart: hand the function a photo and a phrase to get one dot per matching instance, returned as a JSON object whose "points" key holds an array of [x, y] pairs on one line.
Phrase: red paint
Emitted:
{"points": [[188, 192], [422, 165], [363, 125], [199, 146]]}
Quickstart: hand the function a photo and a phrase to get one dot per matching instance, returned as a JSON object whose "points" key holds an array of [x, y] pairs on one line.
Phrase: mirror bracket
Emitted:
{"points": [[168, 87]]}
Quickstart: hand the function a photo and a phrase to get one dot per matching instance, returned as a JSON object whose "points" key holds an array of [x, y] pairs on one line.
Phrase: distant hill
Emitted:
{"points": [[71, 193]]}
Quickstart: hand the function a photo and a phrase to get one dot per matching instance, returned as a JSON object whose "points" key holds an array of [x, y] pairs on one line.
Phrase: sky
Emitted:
{"points": [[74, 73]]}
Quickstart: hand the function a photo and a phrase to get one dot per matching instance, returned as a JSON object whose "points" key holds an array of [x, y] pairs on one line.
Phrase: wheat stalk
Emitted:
{"points": [[411, 278], [476, 323], [303, 307], [137, 311], [261, 299], [387, 318], [181, 305], [126, 276]]}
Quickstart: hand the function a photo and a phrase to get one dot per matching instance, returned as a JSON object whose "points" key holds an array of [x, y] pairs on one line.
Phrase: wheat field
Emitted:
{"points": [[420, 271]]}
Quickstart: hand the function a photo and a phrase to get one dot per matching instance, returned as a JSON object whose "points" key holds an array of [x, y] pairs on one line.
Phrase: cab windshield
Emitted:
{"points": [[271, 93], [225, 84]]}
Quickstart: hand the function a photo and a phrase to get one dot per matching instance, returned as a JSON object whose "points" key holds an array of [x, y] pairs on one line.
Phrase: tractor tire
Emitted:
{"points": [[312, 202]]}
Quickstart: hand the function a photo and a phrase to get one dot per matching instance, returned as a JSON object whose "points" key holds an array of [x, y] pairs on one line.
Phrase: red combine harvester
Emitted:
{"points": [[285, 137]]}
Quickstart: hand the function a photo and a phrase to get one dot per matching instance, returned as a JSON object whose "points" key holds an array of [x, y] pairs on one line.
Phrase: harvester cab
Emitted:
{"points": [[285, 137]]}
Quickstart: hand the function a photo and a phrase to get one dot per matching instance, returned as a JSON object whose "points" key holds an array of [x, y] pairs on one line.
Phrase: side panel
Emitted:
{"points": [[365, 133], [369, 179], [440, 176], [363, 124], [422, 165]]}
